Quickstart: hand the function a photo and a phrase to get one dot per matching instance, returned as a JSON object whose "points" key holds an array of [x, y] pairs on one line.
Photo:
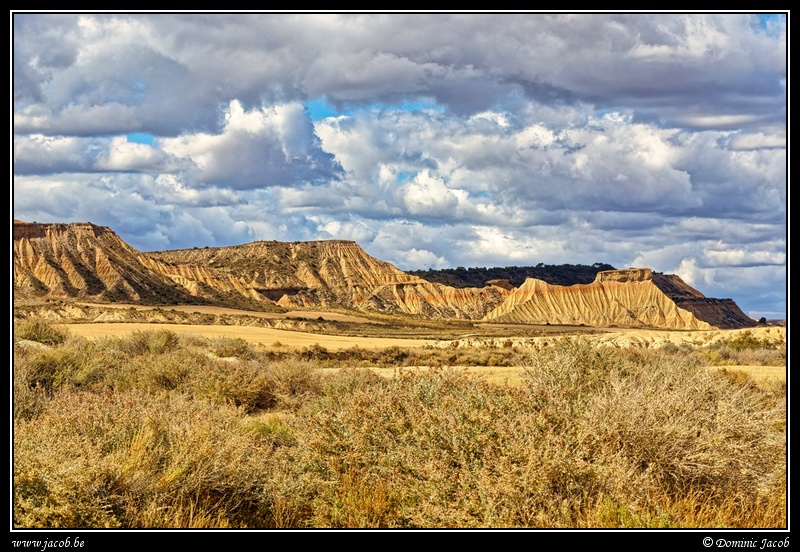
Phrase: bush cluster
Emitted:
{"points": [[157, 430]]}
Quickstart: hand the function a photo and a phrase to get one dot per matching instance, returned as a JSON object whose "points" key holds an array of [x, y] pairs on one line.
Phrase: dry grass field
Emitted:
{"points": [[146, 426], [260, 337], [285, 340]]}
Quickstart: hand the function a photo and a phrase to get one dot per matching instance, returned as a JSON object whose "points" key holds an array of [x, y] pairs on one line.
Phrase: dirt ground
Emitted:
{"points": [[309, 315], [262, 337], [275, 339]]}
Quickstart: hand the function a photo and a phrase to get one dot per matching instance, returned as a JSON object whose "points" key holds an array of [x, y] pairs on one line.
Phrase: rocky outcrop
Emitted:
{"points": [[336, 273], [295, 274], [436, 301], [634, 297], [197, 280], [85, 260]]}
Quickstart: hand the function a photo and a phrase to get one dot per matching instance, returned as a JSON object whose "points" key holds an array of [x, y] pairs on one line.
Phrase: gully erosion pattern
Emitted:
{"points": [[83, 260]]}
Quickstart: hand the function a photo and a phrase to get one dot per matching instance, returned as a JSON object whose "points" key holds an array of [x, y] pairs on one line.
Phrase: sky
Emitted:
{"points": [[434, 140]]}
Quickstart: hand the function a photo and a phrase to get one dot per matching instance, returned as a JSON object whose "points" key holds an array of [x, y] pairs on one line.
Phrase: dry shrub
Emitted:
{"points": [[227, 347], [253, 385], [687, 429], [419, 450], [247, 385], [596, 438], [661, 430], [29, 399], [137, 460], [152, 342], [76, 362], [39, 330], [293, 382], [138, 432]]}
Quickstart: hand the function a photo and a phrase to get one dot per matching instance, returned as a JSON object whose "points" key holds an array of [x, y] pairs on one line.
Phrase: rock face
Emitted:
{"points": [[436, 301], [633, 297], [85, 260], [325, 274], [297, 274]]}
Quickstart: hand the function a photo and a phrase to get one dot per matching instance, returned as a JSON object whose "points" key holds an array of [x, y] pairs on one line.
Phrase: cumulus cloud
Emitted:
{"points": [[171, 68], [452, 139], [742, 257], [123, 155], [259, 148]]}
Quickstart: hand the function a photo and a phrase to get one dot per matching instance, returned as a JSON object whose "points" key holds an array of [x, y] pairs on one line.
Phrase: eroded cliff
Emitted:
{"points": [[634, 297], [86, 260]]}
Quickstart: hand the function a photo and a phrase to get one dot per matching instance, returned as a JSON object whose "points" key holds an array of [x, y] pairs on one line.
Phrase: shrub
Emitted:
{"points": [[138, 461], [39, 330], [110, 434], [152, 342], [77, 363], [246, 385], [293, 382], [232, 347]]}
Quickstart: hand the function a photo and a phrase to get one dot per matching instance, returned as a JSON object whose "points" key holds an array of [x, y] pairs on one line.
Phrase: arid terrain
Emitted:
{"points": [[91, 263], [333, 295], [309, 385], [337, 331]]}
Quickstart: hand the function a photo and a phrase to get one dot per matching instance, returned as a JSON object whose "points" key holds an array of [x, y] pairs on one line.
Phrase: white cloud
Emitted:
{"points": [[769, 138], [263, 147], [742, 257], [421, 258], [634, 139], [693, 275], [123, 155]]}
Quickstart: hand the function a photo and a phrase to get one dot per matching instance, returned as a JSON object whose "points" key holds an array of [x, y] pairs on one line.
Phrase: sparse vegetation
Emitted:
{"points": [[38, 330], [745, 349], [163, 430]]}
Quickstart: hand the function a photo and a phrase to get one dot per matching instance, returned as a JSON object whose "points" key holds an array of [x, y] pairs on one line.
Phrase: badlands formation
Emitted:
{"points": [[91, 262]]}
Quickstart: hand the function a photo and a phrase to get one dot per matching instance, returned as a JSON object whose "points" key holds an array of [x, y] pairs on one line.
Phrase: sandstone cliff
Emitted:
{"points": [[85, 260], [436, 301], [297, 274], [633, 297]]}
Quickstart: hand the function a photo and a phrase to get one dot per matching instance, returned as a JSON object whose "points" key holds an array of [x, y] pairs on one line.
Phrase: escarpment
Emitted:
{"points": [[436, 301], [633, 297], [297, 274], [84, 260]]}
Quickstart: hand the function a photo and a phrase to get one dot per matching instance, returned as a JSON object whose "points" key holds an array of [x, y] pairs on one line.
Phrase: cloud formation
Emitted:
{"points": [[450, 139]]}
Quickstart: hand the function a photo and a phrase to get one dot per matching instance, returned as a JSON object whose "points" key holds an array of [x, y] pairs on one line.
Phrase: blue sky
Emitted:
{"points": [[320, 108], [433, 140]]}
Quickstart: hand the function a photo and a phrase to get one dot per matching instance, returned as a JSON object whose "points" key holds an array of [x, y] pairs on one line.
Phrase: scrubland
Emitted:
{"points": [[156, 429]]}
